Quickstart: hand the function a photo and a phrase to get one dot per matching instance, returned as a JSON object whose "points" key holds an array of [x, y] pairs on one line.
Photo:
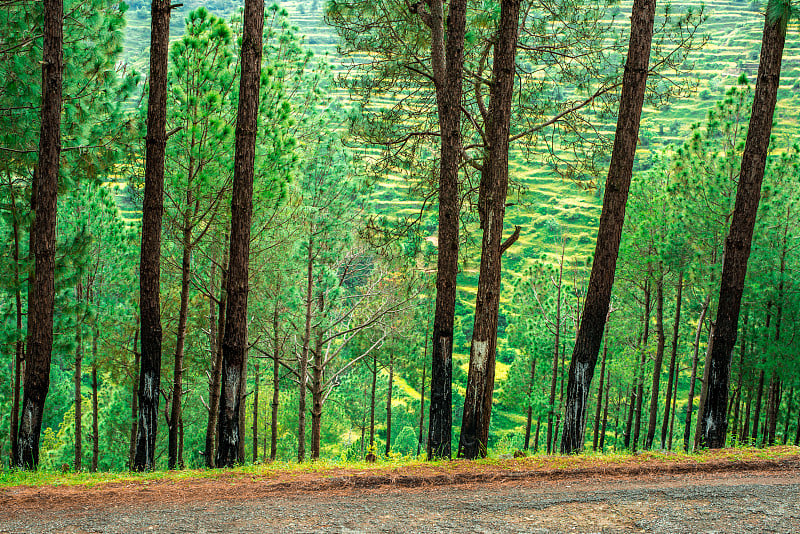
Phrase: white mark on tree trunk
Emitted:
{"points": [[480, 354]]}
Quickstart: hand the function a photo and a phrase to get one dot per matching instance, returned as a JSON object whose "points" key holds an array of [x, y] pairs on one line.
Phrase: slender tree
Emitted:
{"points": [[234, 344], [737, 245], [43, 240], [150, 261], [612, 216], [447, 58], [491, 208]]}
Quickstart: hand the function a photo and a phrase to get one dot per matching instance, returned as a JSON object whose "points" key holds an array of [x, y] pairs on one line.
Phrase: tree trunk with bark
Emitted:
{"points": [[150, 261], [601, 280], [672, 362], [738, 242], [447, 57], [43, 241], [491, 210], [234, 342]]}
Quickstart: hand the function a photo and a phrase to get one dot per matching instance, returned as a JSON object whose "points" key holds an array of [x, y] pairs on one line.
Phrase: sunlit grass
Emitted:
{"points": [[407, 465]]}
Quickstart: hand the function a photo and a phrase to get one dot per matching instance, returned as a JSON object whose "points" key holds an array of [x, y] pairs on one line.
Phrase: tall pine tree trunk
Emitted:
{"points": [[43, 237], [234, 341], [447, 58], [150, 261], [491, 209], [601, 280], [738, 242], [672, 362]]}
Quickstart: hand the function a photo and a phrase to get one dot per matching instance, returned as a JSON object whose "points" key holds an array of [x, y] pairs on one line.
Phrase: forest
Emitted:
{"points": [[236, 233]]}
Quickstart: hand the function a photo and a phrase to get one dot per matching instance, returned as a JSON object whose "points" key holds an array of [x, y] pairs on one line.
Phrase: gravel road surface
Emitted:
{"points": [[728, 502]]}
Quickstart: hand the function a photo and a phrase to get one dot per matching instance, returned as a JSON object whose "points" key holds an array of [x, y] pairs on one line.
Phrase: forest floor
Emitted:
{"points": [[719, 492]]}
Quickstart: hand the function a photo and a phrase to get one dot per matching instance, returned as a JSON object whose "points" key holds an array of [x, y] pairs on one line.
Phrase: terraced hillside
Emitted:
{"points": [[733, 29]]}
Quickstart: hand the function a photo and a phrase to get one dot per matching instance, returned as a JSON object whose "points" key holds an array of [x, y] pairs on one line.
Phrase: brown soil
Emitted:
{"points": [[240, 487]]}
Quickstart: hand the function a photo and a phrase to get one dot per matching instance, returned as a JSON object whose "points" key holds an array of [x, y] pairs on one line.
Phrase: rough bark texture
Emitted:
{"points": [[234, 342], [651, 427], [601, 280], [665, 424], [491, 208], [448, 64], [737, 244], [43, 241], [150, 260]]}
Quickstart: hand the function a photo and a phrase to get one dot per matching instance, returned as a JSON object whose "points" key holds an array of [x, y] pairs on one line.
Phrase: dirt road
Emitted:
{"points": [[726, 501]]}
